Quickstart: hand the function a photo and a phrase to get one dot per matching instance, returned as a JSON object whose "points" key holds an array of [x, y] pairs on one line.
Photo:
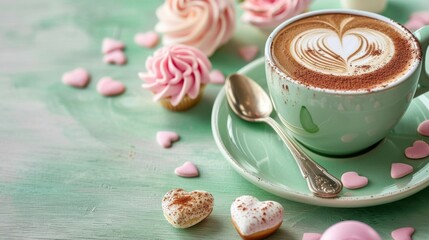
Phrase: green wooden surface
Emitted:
{"points": [[76, 165]]}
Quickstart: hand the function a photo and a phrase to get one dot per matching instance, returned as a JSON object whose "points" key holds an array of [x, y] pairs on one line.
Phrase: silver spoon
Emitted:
{"points": [[250, 102]]}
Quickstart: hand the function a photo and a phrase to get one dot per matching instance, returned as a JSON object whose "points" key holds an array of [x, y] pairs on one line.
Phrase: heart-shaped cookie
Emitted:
{"points": [[184, 209], [352, 180], [78, 78], [399, 170], [188, 169], [404, 233], [110, 87], [423, 128], [110, 45], [420, 149], [147, 39], [166, 138], [116, 57], [254, 219]]}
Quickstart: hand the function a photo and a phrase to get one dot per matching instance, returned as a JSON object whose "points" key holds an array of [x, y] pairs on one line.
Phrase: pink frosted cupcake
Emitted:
{"points": [[204, 24], [267, 14], [177, 76]]}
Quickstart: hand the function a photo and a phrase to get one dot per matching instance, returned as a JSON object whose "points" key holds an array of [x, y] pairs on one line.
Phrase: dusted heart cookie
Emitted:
{"points": [[185, 209], [254, 219]]}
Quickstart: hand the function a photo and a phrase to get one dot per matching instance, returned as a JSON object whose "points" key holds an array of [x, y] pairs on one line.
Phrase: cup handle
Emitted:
{"points": [[423, 36]]}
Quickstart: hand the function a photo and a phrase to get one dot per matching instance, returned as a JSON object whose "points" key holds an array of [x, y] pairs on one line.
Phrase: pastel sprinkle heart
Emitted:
{"points": [[352, 180], [109, 87], [311, 236], [166, 138], [188, 169], [110, 45], [404, 233], [248, 53], [420, 149], [217, 77], [147, 39], [423, 128], [399, 170], [116, 57], [78, 77]]}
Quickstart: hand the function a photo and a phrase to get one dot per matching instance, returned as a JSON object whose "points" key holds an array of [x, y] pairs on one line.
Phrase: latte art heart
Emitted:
{"points": [[342, 51]]}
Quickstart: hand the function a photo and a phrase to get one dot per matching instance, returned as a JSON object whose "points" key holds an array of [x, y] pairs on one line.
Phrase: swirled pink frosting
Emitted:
{"points": [[204, 24], [270, 13], [176, 71]]}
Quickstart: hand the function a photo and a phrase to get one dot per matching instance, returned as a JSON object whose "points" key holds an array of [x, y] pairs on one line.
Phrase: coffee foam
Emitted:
{"points": [[344, 51]]}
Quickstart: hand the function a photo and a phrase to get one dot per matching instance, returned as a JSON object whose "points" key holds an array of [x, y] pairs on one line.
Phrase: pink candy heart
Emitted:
{"points": [[404, 233], [311, 236], [217, 77], [110, 45], [78, 77], [420, 149], [352, 180], [116, 57], [109, 87], [148, 39], [399, 170], [248, 53], [417, 20], [188, 169], [423, 128], [166, 138]]}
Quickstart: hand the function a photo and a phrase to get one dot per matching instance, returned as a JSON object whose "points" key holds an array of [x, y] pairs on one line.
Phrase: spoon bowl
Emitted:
{"points": [[250, 102]]}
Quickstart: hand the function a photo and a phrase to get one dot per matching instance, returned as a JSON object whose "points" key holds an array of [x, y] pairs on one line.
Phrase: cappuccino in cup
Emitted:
{"points": [[344, 52], [340, 80]]}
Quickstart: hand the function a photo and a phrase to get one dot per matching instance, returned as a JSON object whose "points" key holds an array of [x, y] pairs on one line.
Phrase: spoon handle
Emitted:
{"points": [[319, 181]]}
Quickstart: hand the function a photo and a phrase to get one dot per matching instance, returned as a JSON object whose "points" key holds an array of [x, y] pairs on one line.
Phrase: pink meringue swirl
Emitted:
{"points": [[176, 71], [270, 13], [204, 24]]}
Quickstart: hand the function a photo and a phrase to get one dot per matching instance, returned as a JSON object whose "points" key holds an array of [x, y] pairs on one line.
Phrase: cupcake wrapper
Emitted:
{"points": [[185, 104]]}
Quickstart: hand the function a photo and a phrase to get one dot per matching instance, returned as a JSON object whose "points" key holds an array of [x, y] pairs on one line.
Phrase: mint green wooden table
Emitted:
{"points": [[76, 165]]}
